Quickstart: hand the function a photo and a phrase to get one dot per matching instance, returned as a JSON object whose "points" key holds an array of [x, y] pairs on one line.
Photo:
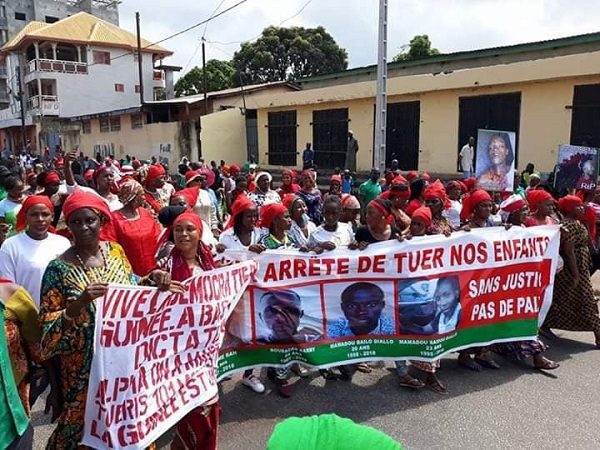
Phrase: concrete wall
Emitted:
{"points": [[545, 122], [158, 139], [223, 136]]}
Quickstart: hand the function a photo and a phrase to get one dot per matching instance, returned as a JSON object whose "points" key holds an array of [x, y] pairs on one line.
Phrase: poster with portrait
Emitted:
{"points": [[577, 168], [495, 165]]}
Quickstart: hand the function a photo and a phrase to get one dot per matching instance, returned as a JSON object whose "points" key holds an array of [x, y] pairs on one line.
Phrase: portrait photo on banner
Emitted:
{"points": [[288, 316], [360, 308], [495, 164], [577, 168], [429, 306]]}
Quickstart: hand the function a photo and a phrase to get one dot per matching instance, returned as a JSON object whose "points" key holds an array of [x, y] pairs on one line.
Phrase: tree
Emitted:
{"points": [[285, 54], [419, 47], [218, 76]]}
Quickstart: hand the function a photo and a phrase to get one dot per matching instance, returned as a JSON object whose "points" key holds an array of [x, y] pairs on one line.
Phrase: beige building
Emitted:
{"points": [[547, 92], [222, 127]]}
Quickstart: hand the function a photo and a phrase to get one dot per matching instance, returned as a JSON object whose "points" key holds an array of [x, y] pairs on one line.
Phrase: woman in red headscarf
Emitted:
{"points": [[380, 227], [25, 256], [335, 187], [454, 193], [573, 307], [67, 312], [541, 205], [398, 195], [190, 256], [242, 233], [437, 201], [155, 196], [134, 228], [287, 183]]}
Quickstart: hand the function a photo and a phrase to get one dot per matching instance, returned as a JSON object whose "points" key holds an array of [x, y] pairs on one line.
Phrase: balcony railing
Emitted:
{"points": [[53, 65], [46, 105]]}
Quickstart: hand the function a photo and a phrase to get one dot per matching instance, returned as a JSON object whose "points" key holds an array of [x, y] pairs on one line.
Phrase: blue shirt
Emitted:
{"points": [[347, 185], [341, 328], [308, 155]]}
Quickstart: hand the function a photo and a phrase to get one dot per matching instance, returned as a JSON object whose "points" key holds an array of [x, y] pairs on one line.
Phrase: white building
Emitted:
{"points": [[77, 66]]}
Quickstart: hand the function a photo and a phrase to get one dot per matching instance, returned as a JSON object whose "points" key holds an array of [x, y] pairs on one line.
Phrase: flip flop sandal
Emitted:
{"points": [[548, 365], [471, 365], [487, 363], [437, 387], [328, 374], [364, 368], [412, 383]]}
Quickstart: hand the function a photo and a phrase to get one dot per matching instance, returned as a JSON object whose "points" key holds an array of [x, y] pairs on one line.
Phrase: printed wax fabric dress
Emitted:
{"points": [[63, 282]]}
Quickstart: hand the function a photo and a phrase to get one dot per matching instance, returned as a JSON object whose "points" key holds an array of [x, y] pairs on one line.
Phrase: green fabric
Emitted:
{"points": [[520, 191], [3, 194], [328, 432], [368, 191], [13, 420]]}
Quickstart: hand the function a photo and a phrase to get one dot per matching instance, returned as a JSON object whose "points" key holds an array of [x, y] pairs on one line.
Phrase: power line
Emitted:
{"points": [[214, 16], [280, 23]]}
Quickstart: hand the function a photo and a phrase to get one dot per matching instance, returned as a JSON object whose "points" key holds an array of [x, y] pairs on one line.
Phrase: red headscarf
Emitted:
{"points": [[51, 177], [336, 178], [190, 194], [412, 175], [270, 212], [383, 207], [350, 202], [80, 199], [399, 179], [88, 175], [190, 175], [437, 191], [425, 176], [241, 204], [103, 168], [288, 200], [423, 213], [27, 204], [569, 203], [180, 271], [537, 196], [472, 201], [470, 183], [155, 171], [234, 170]]}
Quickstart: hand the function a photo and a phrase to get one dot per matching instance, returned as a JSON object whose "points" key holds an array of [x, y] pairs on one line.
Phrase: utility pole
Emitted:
{"points": [[21, 97], [381, 96], [139, 55], [204, 77]]}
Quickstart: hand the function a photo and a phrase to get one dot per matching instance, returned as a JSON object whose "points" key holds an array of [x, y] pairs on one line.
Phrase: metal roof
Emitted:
{"points": [[84, 29], [550, 44]]}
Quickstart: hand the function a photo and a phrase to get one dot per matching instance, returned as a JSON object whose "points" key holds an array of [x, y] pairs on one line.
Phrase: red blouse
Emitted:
{"points": [[138, 237]]}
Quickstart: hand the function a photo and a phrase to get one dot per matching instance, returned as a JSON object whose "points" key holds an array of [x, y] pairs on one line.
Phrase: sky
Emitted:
{"points": [[452, 25]]}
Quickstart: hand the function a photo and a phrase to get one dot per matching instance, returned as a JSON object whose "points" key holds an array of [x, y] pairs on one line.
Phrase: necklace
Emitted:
{"points": [[97, 273]]}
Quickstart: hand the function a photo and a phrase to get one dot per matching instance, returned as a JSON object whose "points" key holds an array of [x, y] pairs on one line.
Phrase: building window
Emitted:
{"points": [[115, 123], [585, 115], [282, 138], [119, 87], [86, 127], [402, 134], [101, 57], [20, 16], [104, 125], [330, 137], [137, 89], [137, 121], [2, 12], [51, 19]]}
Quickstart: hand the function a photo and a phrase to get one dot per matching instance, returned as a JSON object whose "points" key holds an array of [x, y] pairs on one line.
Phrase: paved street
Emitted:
{"points": [[515, 407]]}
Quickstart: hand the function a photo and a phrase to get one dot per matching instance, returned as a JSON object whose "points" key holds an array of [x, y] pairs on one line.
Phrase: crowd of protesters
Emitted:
{"points": [[72, 226]]}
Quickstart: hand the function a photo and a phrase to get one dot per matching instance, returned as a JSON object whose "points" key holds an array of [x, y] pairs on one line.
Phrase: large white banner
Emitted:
{"points": [[155, 356]]}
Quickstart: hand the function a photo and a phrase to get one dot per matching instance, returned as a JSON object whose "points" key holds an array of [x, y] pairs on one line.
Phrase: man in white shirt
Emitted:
{"points": [[466, 158]]}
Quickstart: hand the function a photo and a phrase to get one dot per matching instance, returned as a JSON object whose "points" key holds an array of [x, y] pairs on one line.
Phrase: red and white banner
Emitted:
{"points": [[155, 356]]}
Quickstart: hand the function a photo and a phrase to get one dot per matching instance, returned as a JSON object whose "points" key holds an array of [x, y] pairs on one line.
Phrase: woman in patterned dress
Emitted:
{"points": [[311, 196], [573, 307], [70, 285]]}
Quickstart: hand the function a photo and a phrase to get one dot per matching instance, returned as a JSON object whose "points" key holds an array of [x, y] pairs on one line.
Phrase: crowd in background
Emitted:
{"points": [[73, 224]]}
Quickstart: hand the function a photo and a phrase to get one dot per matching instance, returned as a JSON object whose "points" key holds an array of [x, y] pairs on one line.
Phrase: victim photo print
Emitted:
{"points": [[429, 306]]}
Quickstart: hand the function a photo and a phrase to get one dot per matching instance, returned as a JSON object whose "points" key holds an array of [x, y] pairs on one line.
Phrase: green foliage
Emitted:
{"points": [[419, 47], [285, 54], [218, 76]]}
